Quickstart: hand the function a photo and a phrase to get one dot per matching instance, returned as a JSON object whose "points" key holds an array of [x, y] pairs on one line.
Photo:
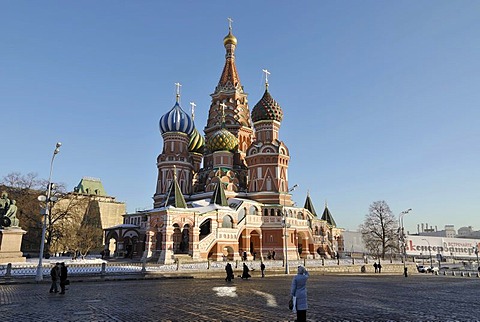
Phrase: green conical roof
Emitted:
{"points": [[327, 216], [309, 205], [174, 196], [218, 196]]}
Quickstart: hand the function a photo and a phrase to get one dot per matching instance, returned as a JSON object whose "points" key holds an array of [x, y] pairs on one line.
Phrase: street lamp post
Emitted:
{"points": [[45, 212], [285, 226], [402, 238], [430, 253]]}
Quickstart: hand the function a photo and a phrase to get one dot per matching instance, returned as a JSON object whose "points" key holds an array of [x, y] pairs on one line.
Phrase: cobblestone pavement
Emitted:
{"points": [[331, 298]]}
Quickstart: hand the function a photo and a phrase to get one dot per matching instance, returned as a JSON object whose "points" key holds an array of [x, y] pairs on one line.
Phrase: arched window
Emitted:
{"points": [[205, 228], [265, 212], [253, 210], [272, 212], [227, 222], [241, 214]]}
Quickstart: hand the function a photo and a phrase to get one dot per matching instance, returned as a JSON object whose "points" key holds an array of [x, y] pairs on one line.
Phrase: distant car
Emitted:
{"points": [[426, 269]]}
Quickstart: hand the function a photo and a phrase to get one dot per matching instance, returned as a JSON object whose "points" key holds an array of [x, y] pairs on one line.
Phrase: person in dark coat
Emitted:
{"points": [[262, 268], [55, 274], [375, 265], [63, 277], [379, 267], [299, 290], [229, 271], [245, 274]]}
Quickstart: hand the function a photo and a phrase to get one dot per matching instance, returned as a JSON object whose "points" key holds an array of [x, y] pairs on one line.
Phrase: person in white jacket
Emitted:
{"points": [[299, 291]]}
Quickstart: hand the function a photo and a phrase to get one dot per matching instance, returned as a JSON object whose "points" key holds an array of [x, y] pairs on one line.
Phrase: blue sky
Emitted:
{"points": [[381, 98]]}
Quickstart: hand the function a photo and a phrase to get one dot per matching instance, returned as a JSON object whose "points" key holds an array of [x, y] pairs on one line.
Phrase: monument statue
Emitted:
{"points": [[12, 214], [8, 212], [4, 203], [10, 239]]}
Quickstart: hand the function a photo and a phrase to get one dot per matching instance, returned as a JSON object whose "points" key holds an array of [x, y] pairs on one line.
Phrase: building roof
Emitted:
{"points": [[90, 186]]}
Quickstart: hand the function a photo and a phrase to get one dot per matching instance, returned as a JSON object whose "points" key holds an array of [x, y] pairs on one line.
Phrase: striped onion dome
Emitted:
{"points": [[197, 142], [222, 140], [176, 120], [267, 109]]}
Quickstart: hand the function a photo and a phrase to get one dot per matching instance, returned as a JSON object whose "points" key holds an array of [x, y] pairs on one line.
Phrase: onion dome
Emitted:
{"points": [[222, 140], [267, 109], [176, 120], [230, 39], [197, 142]]}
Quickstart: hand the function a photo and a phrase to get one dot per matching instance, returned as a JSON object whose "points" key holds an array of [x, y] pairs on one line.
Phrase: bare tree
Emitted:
{"points": [[18, 181], [380, 229], [63, 216], [25, 189], [68, 208]]}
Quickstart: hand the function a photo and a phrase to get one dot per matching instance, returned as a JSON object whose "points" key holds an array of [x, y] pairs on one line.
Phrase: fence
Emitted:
{"points": [[113, 268]]}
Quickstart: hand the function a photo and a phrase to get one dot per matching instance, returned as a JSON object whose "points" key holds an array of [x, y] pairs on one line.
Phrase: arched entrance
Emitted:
{"points": [[228, 253], [255, 245], [185, 242], [177, 238], [302, 246]]}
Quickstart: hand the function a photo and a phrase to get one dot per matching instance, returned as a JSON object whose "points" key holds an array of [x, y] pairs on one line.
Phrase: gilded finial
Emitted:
{"points": [[177, 96], [266, 72], [230, 38], [223, 106], [193, 110]]}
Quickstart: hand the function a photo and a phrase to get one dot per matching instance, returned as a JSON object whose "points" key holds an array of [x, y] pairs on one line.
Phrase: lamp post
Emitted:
{"points": [[430, 253], [285, 226], [45, 212], [402, 238]]}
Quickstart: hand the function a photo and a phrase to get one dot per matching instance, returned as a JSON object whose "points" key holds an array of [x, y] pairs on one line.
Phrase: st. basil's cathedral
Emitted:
{"points": [[225, 194]]}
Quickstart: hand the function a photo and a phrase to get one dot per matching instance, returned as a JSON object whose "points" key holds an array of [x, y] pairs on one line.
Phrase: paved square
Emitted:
{"points": [[331, 298]]}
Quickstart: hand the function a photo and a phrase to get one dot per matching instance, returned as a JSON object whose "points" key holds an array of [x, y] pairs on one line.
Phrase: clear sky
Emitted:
{"points": [[381, 98]]}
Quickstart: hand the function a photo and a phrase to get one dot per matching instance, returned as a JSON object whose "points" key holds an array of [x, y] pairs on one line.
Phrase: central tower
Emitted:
{"points": [[229, 91]]}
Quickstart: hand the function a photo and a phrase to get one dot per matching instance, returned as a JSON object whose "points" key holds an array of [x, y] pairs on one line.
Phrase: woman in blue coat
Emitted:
{"points": [[299, 290]]}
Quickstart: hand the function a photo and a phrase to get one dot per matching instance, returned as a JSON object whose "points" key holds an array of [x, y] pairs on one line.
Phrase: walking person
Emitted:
{"points": [[262, 268], [299, 291], [245, 274], [379, 267], [55, 274], [375, 265], [229, 271], [63, 277]]}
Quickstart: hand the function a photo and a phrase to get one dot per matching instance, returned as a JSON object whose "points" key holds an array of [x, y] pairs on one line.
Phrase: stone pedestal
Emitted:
{"points": [[10, 243]]}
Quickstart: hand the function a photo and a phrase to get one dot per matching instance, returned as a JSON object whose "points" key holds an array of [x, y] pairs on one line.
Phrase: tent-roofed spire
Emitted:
{"points": [[327, 216], [309, 205], [219, 197], [174, 196], [230, 78]]}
